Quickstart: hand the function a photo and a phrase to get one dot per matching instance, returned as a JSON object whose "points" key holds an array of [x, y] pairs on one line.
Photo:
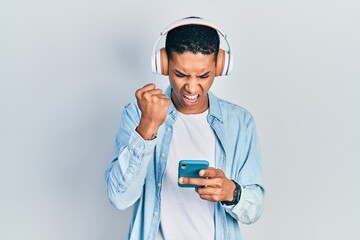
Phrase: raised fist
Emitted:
{"points": [[154, 107]]}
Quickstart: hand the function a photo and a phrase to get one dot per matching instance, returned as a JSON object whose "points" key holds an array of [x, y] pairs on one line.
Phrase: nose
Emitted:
{"points": [[191, 85]]}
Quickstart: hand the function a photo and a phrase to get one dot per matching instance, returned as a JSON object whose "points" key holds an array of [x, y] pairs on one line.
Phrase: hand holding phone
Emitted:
{"points": [[191, 169]]}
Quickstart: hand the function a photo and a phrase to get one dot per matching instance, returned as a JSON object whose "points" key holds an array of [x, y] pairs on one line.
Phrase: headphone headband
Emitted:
{"points": [[159, 61], [189, 21]]}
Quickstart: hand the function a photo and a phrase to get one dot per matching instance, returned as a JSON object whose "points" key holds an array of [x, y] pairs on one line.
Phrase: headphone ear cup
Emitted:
{"points": [[155, 58], [220, 62], [223, 63], [164, 62], [159, 62]]}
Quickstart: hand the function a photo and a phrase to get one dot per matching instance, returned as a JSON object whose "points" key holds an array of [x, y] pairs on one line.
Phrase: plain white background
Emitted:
{"points": [[67, 68]]}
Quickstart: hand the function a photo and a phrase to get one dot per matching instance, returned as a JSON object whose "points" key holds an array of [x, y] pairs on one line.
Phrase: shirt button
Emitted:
{"points": [[159, 184], [168, 129], [162, 154], [142, 147], [156, 213]]}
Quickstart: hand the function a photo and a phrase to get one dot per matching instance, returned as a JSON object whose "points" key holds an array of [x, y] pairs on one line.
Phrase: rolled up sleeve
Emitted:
{"points": [[250, 206], [126, 174]]}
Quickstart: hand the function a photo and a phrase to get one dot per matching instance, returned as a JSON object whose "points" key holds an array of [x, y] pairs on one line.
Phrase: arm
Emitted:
{"points": [[127, 171], [219, 188], [134, 146], [250, 207]]}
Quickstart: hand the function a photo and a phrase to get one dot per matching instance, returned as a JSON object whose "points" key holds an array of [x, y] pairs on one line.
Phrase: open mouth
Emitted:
{"points": [[190, 100]]}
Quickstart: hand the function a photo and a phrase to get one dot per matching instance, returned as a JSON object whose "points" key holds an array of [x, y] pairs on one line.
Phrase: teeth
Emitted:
{"points": [[191, 97]]}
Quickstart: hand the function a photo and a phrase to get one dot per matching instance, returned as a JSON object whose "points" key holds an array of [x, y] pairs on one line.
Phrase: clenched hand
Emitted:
{"points": [[154, 106]]}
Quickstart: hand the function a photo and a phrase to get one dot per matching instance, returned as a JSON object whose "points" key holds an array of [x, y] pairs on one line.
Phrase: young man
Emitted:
{"points": [[186, 122]]}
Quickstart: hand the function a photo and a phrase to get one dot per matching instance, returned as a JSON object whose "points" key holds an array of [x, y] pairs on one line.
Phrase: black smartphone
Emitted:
{"points": [[191, 168]]}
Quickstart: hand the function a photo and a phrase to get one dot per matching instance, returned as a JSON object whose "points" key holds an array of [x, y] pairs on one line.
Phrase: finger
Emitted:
{"points": [[208, 190], [148, 87], [205, 197], [210, 197], [152, 93], [155, 91], [165, 100], [145, 88], [196, 181], [163, 96], [211, 173]]}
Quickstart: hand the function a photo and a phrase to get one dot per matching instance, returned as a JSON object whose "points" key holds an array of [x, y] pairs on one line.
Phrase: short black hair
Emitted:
{"points": [[192, 38]]}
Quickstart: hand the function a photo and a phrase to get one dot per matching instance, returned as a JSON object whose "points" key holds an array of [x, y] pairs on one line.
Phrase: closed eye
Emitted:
{"points": [[205, 75], [182, 75], [179, 74]]}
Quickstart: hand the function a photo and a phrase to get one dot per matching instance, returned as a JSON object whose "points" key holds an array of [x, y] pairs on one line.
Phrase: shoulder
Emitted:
{"points": [[234, 112]]}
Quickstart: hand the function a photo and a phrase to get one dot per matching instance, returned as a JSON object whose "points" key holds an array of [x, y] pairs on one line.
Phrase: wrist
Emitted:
{"points": [[236, 195], [147, 130]]}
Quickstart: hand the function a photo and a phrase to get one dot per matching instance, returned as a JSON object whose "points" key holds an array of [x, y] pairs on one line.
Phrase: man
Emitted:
{"points": [[186, 122]]}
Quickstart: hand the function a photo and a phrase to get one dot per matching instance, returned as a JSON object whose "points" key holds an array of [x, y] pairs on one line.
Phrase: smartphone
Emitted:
{"points": [[191, 168]]}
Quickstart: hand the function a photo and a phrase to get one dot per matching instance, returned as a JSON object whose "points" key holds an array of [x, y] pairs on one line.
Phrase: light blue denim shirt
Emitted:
{"points": [[135, 174]]}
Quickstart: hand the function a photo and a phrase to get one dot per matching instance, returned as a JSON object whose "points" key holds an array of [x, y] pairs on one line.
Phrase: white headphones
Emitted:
{"points": [[159, 59]]}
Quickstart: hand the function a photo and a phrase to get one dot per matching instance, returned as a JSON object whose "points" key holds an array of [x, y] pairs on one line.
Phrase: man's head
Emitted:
{"points": [[192, 51], [192, 38]]}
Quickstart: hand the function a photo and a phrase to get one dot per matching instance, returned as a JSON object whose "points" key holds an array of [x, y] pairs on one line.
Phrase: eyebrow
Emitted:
{"points": [[183, 74]]}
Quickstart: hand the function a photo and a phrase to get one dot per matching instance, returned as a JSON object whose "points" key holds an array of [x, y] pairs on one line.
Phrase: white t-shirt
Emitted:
{"points": [[184, 215]]}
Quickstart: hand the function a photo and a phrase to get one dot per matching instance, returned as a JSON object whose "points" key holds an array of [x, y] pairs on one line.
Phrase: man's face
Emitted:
{"points": [[191, 76]]}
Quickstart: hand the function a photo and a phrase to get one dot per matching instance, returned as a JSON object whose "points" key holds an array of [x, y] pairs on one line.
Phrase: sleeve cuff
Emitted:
{"points": [[139, 146]]}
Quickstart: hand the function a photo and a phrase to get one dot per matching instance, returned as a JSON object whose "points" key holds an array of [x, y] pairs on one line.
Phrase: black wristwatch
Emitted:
{"points": [[237, 195]]}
